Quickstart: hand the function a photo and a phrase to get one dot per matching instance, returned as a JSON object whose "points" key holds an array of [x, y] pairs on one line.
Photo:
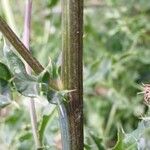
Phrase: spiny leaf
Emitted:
{"points": [[44, 77], [53, 69], [27, 86], [134, 136], [56, 97], [131, 140], [119, 144], [15, 64], [4, 72]]}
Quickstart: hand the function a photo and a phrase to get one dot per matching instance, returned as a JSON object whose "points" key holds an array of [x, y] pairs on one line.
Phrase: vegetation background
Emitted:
{"points": [[116, 63]]}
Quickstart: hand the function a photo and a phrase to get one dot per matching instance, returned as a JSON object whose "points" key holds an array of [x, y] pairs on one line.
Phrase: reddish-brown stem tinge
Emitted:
{"points": [[26, 41]]}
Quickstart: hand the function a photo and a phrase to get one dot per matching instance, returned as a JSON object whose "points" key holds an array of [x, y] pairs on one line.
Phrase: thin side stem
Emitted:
{"points": [[26, 41], [20, 47], [27, 28], [72, 32], [110, 119], [33, 117]]}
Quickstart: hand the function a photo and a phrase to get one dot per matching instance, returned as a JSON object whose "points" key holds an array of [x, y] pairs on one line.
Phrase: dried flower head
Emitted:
{"points": [[146, 92]]}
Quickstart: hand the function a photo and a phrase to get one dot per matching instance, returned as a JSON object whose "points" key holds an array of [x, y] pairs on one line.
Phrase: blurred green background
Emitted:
{"points": [[116, 63]]}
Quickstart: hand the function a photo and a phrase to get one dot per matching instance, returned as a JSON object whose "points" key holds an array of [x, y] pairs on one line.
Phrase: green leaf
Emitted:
{"points": [[119, 144], [97, 141], [44, 77], [53, 69], [87, 147], [4, 101], [5, 94], [56, 97], [4, 72], [45, 120], [131, 140], [25, 136], [51, 94], [16, 66], [52, 3], [133, 137], [27, 86]]}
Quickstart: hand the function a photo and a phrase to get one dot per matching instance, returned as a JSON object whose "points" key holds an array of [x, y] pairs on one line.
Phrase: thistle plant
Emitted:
{"points": [[60, 84]]}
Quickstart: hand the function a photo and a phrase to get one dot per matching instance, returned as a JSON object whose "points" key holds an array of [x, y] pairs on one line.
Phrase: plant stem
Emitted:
{"points": [[22, 50], [64, 127], [26, 41], [72, 31], [27, 28], [34, 124], [20, 47], [110, 119]]}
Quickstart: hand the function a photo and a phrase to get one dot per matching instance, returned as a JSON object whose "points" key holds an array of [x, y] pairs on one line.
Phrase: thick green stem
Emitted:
{"points": [[72, 31]]}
